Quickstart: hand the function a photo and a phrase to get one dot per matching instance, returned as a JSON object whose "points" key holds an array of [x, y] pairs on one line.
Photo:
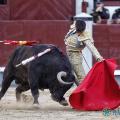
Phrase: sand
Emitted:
{"points": [[46, 110]]}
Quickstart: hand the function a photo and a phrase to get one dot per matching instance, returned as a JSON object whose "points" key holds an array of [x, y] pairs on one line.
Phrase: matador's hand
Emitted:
{"points": [[100, 59]]}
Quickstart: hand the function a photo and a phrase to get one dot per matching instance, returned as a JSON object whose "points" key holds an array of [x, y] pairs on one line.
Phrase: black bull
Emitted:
{"points": [[51, 71]]}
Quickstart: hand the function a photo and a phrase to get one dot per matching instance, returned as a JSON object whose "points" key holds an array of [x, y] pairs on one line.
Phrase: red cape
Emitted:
{"points": [[99, 90]]}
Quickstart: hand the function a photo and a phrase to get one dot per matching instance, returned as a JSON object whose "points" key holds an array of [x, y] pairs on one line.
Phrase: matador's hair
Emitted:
{"points": [[80, 25]]}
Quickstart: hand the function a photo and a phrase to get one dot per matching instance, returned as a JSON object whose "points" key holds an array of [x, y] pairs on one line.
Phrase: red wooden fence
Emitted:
{"points": [[107, 40]]}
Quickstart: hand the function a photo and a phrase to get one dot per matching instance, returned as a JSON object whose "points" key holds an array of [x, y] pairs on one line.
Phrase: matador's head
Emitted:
{"points": [[80, 26]]}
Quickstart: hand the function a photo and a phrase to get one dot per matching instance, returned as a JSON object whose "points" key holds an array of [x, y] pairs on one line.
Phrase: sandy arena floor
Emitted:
{"points": [[47, 110]]}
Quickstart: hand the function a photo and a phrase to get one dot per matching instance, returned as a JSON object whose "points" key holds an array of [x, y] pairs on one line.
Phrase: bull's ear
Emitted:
{"points": [[59, 77]]}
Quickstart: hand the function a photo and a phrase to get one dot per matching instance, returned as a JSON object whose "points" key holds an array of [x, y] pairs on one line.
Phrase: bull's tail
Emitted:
{"points": [[10, 66], [8, 75], [5, 85]]}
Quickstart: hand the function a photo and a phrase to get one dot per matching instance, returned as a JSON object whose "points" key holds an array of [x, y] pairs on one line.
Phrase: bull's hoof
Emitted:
{"points": [[36, 106], [64, 102], [42, 89], [53, 98], [26, 98]]}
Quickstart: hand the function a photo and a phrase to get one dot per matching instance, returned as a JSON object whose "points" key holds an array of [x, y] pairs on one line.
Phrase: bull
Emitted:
{"points": [[51, 71]]}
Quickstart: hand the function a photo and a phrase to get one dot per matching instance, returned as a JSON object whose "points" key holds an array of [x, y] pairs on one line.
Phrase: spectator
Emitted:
{"points": [[116, 16], [100, 13], [3, 1]]}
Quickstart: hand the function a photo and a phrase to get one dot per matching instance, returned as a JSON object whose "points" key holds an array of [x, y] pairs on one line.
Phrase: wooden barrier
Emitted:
{"points": [[44, 31], [107, 40]]}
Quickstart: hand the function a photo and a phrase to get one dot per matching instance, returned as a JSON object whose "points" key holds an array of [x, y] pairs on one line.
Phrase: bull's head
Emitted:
{"points": [[64, 74]]}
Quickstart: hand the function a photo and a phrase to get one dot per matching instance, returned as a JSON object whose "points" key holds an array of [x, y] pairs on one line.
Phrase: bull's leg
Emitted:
{"points": [[5, 85], [34, 86], [35, 92], [19, 90]]}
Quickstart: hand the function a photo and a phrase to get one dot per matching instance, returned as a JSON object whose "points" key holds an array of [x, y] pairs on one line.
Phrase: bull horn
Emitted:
{"points": [[59, 77]]}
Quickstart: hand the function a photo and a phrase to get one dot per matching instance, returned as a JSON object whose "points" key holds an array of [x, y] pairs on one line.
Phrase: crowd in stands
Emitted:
{"points": [[116, 16], [3, 1], [101, 14]]}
